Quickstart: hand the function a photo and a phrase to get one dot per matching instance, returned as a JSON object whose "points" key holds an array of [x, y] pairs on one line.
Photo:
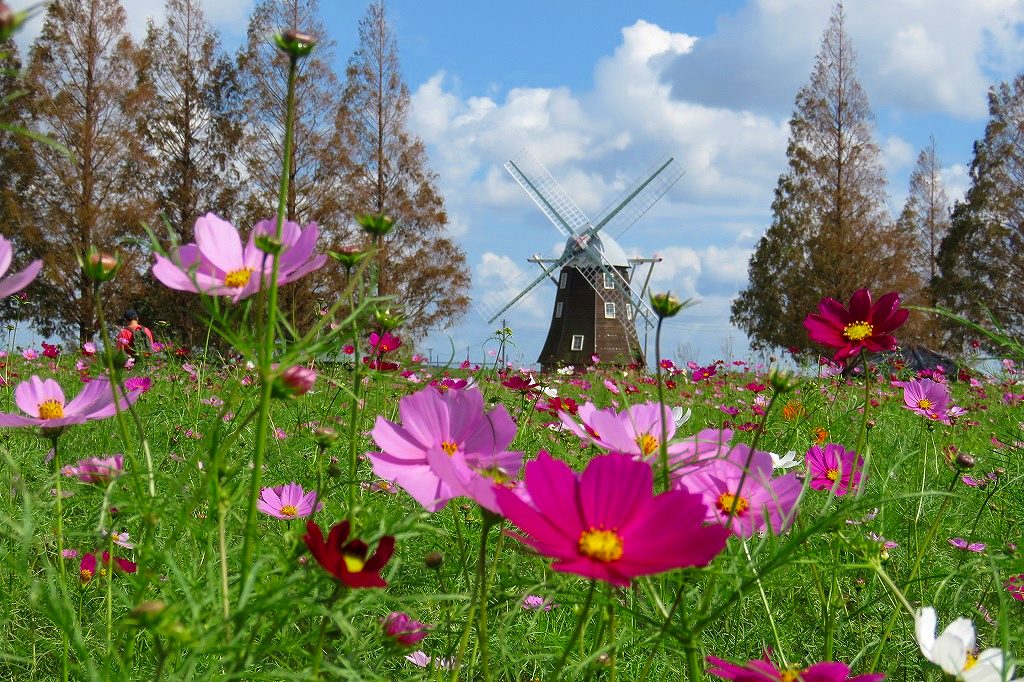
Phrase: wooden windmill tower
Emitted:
{"points": [[601, 291]]}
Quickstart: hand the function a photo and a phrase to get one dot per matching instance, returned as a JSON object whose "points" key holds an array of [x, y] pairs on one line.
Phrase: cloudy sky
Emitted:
{"points": [[599, 90]]}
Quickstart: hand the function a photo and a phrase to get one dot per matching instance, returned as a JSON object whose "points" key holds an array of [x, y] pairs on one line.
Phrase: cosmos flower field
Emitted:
{"points": [[317, 503]]}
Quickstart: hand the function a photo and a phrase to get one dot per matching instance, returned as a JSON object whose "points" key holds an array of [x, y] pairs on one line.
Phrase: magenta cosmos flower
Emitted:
{"points": [[862, 326], [834, 468], [19, 281], [437, 426], [43, 401], [403, 630], [606, 523], [218, 265], [634, 431], [764, 670], [739, 492], [288, 501], [926, 397]]}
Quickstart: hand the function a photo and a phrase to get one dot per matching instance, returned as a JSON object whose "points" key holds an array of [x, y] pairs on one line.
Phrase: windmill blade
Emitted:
{"points": [[549, 196], [622, 294], [556, 265], [640, 196]]}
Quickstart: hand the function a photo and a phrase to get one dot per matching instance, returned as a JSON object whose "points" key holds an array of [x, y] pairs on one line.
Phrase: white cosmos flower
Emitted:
{"points": [[953, 650], [568, 369], [680, 416], [786, 461]]}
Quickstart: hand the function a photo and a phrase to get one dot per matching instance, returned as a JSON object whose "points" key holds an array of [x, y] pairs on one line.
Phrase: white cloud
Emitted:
{"points": [[956, 179], [897, 153], [498, 279], [915, 54]]}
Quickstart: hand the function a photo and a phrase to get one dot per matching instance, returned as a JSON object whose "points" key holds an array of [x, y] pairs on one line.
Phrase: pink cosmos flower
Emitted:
{"points": [[834, 468], [384, 343], [449, 429], [533, 602], [288, 501], [739, 492], [120, 564], [862, 326], [30, 354], [764, 670], [960, 543], [96, 469], [403, 630], [1015, 586], [606, 523], [217, 264], [44, 403], [140, 384], [19, 281], [926, 397], [634, 431], [87, 568], [423, 660]]}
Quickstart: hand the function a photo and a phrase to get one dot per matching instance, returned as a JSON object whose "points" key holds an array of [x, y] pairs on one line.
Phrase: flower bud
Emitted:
{"points": [[667, 305], [386, 320], [325, 436], [434, 560], [376, 225], [348, 256], [268, 244], [297, 380], [295, 43], [148, 612], [99, 266], [965, 461], [782, 381]]}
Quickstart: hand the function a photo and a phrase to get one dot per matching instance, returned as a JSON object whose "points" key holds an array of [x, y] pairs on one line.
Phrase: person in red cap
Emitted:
{"points": [[133, 337]]}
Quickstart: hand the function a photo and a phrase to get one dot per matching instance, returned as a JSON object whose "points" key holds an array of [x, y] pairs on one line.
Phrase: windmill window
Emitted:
{"points": [[563, 280], [629, 311], [609, 310], [577, 342], [609, 281], [558, 309]]}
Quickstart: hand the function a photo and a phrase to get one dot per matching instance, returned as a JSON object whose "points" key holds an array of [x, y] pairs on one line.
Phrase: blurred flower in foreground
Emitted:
{"points": [[96, 469], [19, 281], [764, 670]]}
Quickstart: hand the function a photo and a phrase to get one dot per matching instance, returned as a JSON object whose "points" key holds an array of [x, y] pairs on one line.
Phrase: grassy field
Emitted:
{"points": [[824, 590]]}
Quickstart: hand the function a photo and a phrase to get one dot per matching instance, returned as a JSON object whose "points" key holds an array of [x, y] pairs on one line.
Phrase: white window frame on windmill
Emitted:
{"points": [[609, 310], [563, 279], [629, 311], [609, 280], [577, 342], [558, 309]]}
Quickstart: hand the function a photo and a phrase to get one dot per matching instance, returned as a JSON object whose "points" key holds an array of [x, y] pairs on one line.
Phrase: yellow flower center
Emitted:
{"points": [[238, 278], [730, 504], [600, 544], [51, 409], [832, 475], [858, 331], [972, 658], [924, 404], [353, 563], [289, 510], [789, 676], [86, 575], [647, 443], [449, 447]]}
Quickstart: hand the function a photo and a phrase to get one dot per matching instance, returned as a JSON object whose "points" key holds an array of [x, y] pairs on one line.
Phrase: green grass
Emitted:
{"points": [[820, 587]]}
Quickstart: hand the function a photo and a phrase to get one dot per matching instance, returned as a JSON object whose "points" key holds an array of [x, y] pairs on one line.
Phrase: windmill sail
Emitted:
{"points": [[549, 196]]}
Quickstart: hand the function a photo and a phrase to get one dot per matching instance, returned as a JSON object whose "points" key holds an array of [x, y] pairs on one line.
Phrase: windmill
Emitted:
{"points": [[601, 291]]}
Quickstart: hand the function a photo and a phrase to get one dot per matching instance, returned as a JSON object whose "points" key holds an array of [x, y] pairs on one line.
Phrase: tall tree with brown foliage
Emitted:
{"points": [[388, 173], [83, 76], [925, 218], [194, 131], [831, 233], [315, 190], [980, 262]]}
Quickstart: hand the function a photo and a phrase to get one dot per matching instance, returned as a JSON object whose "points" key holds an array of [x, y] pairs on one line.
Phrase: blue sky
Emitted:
{"points": [[599, 90]]}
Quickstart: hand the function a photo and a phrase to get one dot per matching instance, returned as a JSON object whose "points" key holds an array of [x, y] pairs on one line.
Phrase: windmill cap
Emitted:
{"points": [[606, 246]]}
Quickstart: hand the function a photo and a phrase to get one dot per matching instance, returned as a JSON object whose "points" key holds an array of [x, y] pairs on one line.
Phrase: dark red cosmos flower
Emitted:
{"points": [[524, 384], [347, 559], [862, 326]]}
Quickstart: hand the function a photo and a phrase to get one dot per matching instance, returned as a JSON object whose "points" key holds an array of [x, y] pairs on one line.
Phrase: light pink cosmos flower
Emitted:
{"points": [[446, 446], [218, 265], [423, 660], [30, 354], [19, 281], [960, 543], [44, 403], [739, 491], [634, 431], [606, 523], [96, 469], [926, 397], [288, 501]]}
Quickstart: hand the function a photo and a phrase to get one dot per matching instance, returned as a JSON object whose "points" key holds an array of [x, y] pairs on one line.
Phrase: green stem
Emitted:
{"points": [[54, 439], [110, 595], [479, 595], [580, 622], [267, 350], [662, 444]]}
